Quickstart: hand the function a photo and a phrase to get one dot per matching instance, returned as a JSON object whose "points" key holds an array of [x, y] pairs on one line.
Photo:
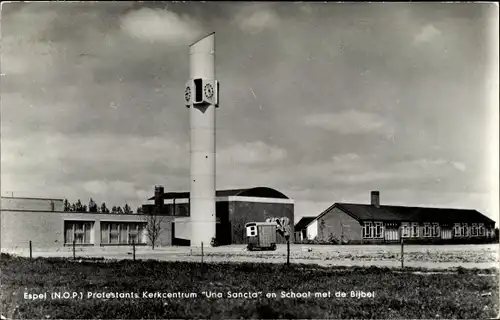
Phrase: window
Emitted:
{"points": [[378, 230], [405, 229], [113, 233], [134, 232], [474, 230], [251, 231], [435, 230], [427, 230], [464, 227], [367, 230], [480, 229], [78, 231], [414, 230], [457, 230], [122, 232], [183, 210], [372, 230]]}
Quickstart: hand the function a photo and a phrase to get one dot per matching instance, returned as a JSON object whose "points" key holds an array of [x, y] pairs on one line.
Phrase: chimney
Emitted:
{"points": [[159, 191], [376, 199]]}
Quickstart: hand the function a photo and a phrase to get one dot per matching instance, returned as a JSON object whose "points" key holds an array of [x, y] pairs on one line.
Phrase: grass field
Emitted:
{"points": [[468, 293]]}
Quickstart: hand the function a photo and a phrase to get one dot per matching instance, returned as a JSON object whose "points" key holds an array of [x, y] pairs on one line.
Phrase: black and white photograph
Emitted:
{"points": [[249, 160]]}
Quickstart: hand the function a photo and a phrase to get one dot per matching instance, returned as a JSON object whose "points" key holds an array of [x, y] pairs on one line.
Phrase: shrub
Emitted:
{"points": [[214, 242]]}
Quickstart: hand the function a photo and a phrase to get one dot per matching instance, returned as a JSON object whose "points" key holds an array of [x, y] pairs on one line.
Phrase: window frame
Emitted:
{"points": [[464, 229], [252, 231], [79, 230], [134, 228], [405, 230], [427, 232], [474, 230], [435, 229], [373, 230], [380, 234], [481, 230], [417, 233], [367, 230]]}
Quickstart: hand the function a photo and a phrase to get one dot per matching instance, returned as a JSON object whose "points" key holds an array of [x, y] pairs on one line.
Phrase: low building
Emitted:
{"points": [[46, 225], [375, 224], [234, 208], [304, 229]]}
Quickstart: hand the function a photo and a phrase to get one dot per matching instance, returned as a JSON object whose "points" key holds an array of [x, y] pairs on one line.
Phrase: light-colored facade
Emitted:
{"points": [[201, 98], [36, 204], [53, 229], [312, 230]]}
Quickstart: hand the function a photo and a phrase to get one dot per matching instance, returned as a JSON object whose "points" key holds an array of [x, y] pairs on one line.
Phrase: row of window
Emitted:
{"points": [[413, 230], [375, 230], [463, 230], [181, 210], [82, 232]]}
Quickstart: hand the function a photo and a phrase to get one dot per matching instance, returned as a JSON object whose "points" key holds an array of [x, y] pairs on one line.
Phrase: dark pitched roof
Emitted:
{"points": [[303, 223], [363, 212], [261, 192]]}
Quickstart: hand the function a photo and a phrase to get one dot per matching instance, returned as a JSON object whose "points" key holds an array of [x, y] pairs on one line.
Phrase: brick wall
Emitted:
{"points": [[241, 213], [338, 223]]}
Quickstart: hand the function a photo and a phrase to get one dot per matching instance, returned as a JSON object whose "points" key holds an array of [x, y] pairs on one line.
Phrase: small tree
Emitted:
{"points": [[78, 206], [114, 210], [126, 209], [119, 210], [104, 209], [67, 205], [92, 206], [139, 210], [154, 226], [284, 229]]}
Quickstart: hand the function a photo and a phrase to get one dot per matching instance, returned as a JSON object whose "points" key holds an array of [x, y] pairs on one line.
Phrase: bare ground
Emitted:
{"points": [[424, 256]]}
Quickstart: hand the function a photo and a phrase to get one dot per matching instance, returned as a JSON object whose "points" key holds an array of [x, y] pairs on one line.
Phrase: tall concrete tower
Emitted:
{"points": [[201, 96]]}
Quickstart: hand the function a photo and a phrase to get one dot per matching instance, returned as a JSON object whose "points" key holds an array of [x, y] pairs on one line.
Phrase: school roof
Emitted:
{"points": [[260, 192], [366, 212]]}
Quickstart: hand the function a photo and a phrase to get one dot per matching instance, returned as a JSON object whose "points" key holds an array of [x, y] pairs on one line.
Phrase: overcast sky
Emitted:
{"points": [[324, 102]]}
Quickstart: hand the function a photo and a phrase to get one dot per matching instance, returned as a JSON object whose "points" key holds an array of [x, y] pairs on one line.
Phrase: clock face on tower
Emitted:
{"points": [[187, 94], [209, 90]]}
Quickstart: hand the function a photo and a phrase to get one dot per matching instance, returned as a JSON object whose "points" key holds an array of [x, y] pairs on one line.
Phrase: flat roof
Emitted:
{"points": [[258, 192]]}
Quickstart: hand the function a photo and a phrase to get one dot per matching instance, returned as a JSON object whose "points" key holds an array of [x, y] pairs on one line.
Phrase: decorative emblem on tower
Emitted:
{"points": [[201, 91], [187, 94], [209, 90]]}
